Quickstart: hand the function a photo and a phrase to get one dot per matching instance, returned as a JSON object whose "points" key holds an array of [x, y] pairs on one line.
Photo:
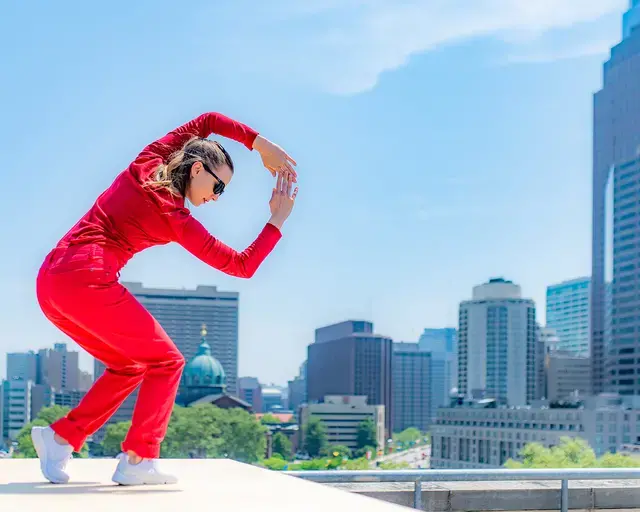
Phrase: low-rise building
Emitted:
{"points": [[342, 415], [479, 434]]}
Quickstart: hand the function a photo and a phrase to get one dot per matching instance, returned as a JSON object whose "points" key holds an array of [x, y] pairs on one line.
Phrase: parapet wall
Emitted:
{"points": [[506, 496]]}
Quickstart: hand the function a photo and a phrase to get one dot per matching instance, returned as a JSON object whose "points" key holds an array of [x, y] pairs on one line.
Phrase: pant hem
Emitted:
{"points": [[75, 436], [141, 449]]}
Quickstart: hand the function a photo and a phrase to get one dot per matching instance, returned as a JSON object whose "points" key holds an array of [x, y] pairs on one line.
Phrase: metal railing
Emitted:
{"points": [[418, 476]]}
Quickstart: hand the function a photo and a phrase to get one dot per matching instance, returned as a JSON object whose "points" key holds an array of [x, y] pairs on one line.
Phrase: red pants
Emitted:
{"points": [[78, 291]]}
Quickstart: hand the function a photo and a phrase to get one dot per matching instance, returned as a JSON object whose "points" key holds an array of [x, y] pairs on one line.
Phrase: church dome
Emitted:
{"points": [[204, 369]]}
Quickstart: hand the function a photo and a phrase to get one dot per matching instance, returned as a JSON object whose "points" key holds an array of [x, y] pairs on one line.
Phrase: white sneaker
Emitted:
{"points": [[143, 473], [53, 456]]}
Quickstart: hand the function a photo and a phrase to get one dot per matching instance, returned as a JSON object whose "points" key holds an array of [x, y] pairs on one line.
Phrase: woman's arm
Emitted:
{"points": [[202, 126], [198, 241]]}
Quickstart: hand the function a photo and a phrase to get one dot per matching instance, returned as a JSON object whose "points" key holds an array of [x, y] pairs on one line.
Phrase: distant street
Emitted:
{"points": [[414, 457]]}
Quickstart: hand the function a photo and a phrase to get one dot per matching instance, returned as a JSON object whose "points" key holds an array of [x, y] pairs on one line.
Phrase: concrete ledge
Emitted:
{"points": [[205, 484], [231, 486], [506, 496]]}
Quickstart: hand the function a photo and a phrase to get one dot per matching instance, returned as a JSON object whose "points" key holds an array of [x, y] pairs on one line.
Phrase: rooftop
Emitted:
{"points": [[496, 288], [221, 484], [283, 417], [232, 486]]}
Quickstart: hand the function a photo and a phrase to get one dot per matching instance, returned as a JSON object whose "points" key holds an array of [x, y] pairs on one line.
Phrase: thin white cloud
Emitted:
{"points": [[344, 46]]}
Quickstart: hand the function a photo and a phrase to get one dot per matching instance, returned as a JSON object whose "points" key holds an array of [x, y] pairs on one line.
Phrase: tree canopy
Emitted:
{"points": [[315, 437], [570, 453], [366, 435]]}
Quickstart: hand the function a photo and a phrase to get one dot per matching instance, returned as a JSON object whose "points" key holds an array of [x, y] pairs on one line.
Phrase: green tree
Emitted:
{"points": [[52, 414], [407, 437], [362, 452], [570, 453], [243, 437], [366, 435], [534, 455], [356, 464], [281, 445], [315, 465], [341, 451], [574, 453], [274, 463], [618, 460], [315, 437], [334, 463], [193, 432], [46, 416], [114, 435], [393, 465], [206, 431], [270, 419]]}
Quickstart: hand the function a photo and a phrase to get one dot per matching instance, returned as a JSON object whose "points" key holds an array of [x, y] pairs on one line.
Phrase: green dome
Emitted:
{"points": [[204, 369]]}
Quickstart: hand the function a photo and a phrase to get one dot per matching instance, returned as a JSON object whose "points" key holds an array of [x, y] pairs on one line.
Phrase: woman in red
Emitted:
{"points": [[78, 288]]}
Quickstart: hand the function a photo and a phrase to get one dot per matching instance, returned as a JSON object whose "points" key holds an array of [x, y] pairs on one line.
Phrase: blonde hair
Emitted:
{"points": [[175, 174]]}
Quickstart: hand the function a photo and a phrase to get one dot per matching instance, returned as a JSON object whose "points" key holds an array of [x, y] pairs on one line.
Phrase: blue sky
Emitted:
{"points": [[438, 145]]}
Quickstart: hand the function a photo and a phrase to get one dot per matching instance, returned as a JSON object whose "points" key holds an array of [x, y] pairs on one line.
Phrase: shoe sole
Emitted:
{"points": [[123, 479], [41, 451]]}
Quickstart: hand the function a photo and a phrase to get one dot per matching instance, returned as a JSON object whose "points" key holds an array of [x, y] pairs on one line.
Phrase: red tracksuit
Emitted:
{"points": [[78, 290]]}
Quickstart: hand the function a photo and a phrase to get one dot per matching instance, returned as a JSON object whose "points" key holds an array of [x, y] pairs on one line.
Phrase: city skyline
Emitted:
{"points": [[599, 396], [478, 109], [430, 334]]}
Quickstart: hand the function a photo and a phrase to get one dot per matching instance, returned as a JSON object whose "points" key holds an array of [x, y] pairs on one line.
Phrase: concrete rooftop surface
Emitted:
{"points": [[207, 484]]}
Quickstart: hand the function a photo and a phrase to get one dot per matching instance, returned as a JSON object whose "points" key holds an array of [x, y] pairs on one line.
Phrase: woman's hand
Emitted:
{"points": [[282, 201], [275, 159]]}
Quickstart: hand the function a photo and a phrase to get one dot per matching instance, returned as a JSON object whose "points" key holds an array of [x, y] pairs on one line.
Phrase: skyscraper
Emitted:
{"points": [[616, 167], [412, 405], [568, 314], [33, 381], [16, 406], [181, 313], [631, 19], [443, 346], [250, 390], [58, 368], [549, 339], [439, 340], [297, 393], [499, 356], [566, 375], [343, 330], [357, 362], [85, 381], [22, 365]]}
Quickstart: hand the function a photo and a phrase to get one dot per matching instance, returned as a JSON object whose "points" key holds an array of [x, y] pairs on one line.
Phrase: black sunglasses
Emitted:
{"points": [[218, 187]]}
